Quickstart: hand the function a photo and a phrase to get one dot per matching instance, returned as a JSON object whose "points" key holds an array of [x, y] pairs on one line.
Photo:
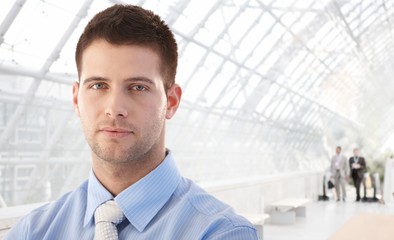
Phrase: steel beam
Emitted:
{"points": [[13, 120], [9, 19]]}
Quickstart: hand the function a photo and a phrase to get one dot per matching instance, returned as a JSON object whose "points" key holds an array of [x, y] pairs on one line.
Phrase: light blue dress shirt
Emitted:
{"points": [[161, 206]]}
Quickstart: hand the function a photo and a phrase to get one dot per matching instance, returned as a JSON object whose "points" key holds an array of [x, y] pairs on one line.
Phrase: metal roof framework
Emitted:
{"points": [[269, 87]]}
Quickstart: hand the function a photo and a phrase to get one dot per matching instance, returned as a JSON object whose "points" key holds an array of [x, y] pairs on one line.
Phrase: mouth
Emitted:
{"points": [[116, 132]]}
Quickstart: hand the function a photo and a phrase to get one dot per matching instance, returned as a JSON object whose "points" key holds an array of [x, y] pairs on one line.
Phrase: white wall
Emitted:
{"points": [[252, 195]]}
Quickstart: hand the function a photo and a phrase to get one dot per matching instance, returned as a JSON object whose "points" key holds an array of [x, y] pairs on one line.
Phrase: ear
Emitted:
{"points": [[75, 97], [174, 94]]}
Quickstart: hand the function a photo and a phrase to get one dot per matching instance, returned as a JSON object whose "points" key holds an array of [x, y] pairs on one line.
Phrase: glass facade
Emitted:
{"points": [[270, 87]]}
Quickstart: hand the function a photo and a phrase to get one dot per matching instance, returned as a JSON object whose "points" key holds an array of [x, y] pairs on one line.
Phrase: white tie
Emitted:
{"points": [[107, 216]]}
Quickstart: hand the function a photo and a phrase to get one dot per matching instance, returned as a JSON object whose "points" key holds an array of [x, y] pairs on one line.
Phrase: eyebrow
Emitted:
{"points": [[103, 79], [94, 79]]}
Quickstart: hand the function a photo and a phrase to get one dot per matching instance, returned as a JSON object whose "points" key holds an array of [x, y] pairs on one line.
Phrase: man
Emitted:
{"points": [[340, 173], [388, 184], [126, 60], [357, 164]]}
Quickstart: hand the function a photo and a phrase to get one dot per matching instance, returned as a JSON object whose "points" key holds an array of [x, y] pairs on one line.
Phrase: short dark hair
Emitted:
{"points": [[339, 147], [132, 25]]}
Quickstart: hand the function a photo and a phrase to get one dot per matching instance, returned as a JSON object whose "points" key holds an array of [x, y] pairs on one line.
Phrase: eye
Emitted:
{"points": [[98, 86], [139, 88]]}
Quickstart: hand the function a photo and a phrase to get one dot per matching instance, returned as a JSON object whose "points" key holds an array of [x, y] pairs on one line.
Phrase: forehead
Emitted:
{"points": [[101, 47], [103, 57]]}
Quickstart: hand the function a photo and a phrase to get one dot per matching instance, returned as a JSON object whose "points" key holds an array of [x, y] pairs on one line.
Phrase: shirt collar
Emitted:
{"points": [[97, 194], [141, 201]]}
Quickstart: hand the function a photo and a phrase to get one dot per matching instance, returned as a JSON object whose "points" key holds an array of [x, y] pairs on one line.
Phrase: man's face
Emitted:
{"points": [[338, 150], [356, 152], [121, 101]]}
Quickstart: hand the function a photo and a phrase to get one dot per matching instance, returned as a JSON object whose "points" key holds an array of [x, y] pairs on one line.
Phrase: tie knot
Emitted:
{"points": [[109, 212]]}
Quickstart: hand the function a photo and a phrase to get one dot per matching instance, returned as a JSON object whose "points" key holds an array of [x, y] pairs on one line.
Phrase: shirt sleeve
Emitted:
{"points": [[237, 233]]}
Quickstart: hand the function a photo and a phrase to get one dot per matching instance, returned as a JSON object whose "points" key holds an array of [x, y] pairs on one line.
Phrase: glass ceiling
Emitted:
{"points": [[269, 87]]}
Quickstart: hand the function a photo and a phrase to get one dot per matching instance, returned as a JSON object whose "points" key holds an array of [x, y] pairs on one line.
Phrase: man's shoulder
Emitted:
{"points": [[214, 217], [40, 219], [48, 211], [209, 206], [66, 199]]}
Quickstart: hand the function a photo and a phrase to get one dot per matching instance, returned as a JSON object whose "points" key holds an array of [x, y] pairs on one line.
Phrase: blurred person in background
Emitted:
{"points": [[339, 173], [388, 185], [357, 165]]}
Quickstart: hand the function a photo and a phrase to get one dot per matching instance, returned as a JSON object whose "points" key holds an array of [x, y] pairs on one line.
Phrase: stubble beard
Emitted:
{"points": [[117, 152]]}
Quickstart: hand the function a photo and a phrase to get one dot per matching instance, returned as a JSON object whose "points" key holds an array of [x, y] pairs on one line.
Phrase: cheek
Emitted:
{"points": [[156, 105], [156, 116], [88, 108], [163, 107], [151, 113]]}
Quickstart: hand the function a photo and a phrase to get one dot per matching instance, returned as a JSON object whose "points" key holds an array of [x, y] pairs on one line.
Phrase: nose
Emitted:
{"points": [[116, 106]]}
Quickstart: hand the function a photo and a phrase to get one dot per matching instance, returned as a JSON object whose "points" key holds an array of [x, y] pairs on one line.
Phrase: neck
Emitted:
{"points": [[116, 177]]}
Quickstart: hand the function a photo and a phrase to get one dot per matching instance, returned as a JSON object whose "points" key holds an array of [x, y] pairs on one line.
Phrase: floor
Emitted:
{"points": [[323, 219]]}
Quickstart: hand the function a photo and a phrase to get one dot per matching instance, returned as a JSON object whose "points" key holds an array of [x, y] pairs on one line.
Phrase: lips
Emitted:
{"points": [[115, 132], [110, 129]]}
